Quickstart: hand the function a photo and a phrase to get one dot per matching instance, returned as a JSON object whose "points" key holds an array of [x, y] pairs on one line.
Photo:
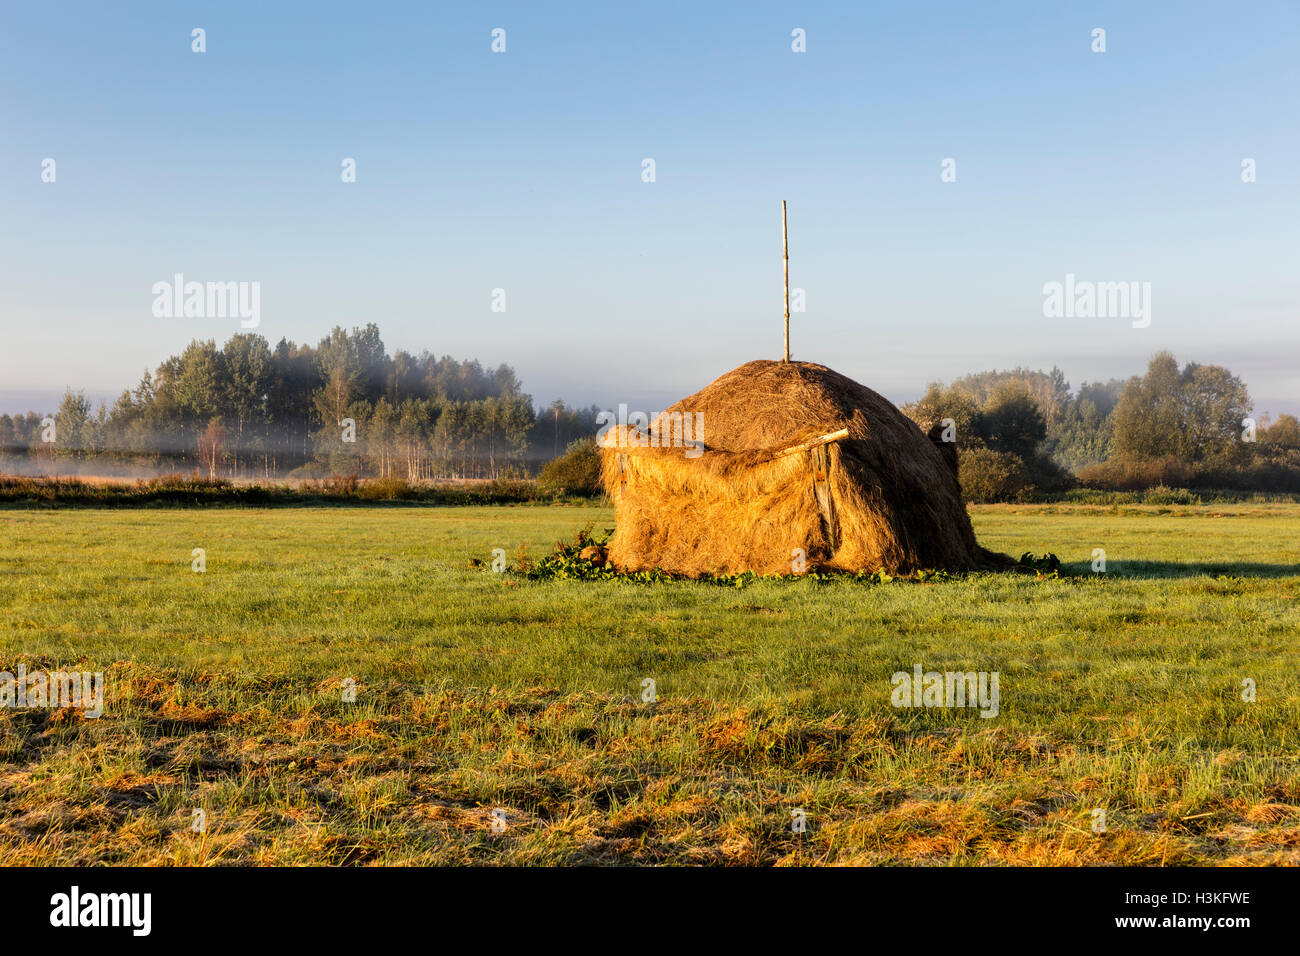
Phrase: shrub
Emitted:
{"points": [[1283, 433], [1271, 468], [1160, 495], [388, 488], [344, 486], [180, 481], [1135, 474], [988, 476], [1045, 475], [576, 472]]}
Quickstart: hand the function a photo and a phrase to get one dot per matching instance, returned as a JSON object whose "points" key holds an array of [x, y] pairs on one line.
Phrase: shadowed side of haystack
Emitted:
{"points": [[795, 458]]}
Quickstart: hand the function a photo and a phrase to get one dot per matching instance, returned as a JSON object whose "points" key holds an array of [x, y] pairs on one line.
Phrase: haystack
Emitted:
{"points": [[793, 457]]}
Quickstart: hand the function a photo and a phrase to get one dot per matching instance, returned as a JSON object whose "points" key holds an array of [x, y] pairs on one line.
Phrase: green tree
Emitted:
{"points": [[1283, 433], [73, 427], [952, 404], [381, 436], [1191, 415], [248, 365], [1011, 421], [331, 401]]}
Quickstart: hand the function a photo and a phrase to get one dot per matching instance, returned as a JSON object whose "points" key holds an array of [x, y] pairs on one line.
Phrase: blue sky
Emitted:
{"points": [[522, 171]]}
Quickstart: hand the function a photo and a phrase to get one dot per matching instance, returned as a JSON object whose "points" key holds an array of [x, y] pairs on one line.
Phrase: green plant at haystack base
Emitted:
{"points": [[1047, 565], [566, 563]]}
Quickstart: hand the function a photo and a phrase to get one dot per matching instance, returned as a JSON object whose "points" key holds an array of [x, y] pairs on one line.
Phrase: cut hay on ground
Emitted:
{"points": [[773, 478]]}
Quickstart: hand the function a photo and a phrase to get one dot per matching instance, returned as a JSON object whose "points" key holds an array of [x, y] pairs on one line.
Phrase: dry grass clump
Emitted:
{"points": [[414, 775]]}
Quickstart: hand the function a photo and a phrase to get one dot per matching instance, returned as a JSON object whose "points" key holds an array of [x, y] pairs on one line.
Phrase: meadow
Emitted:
{"points": [[502, 720]]}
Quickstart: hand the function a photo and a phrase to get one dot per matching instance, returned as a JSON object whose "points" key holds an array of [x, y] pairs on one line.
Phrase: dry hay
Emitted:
{"points": [[746, 503]]}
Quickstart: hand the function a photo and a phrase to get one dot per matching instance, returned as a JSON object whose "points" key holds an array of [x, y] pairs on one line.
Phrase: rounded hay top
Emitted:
{"points": [[776, 467]]}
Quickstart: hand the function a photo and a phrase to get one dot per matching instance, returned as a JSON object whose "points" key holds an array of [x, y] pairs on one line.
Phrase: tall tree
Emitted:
{"points": [[248, 364], [1191, 415]]}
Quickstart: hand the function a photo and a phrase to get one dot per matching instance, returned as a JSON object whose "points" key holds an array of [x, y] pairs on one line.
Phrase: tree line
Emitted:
{"points": [[344, 406], [1023, 432]]}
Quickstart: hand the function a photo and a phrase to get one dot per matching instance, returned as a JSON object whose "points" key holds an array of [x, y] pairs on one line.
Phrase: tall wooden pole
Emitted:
{"points": [[785, 261]]}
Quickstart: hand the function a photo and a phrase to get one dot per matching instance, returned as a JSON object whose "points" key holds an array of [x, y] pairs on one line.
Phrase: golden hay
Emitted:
{"points": [[889, 494]]}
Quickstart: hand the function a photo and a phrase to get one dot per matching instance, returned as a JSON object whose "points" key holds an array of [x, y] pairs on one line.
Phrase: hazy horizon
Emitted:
{"points": [[651, 399]]}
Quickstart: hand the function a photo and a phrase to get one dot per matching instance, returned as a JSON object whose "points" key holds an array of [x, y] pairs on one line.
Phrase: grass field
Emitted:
{"points": [[478, 692]]}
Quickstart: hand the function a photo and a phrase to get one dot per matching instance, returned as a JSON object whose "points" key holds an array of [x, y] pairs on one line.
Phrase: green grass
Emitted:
{"points": [[478, 691]]}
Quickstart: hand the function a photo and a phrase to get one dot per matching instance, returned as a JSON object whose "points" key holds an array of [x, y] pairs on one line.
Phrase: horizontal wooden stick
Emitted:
{"points": [[813, 443]]}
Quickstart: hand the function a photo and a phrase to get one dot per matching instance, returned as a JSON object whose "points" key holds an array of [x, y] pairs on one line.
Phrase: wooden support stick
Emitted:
{"points": [[813, 443], [785, 260]]}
